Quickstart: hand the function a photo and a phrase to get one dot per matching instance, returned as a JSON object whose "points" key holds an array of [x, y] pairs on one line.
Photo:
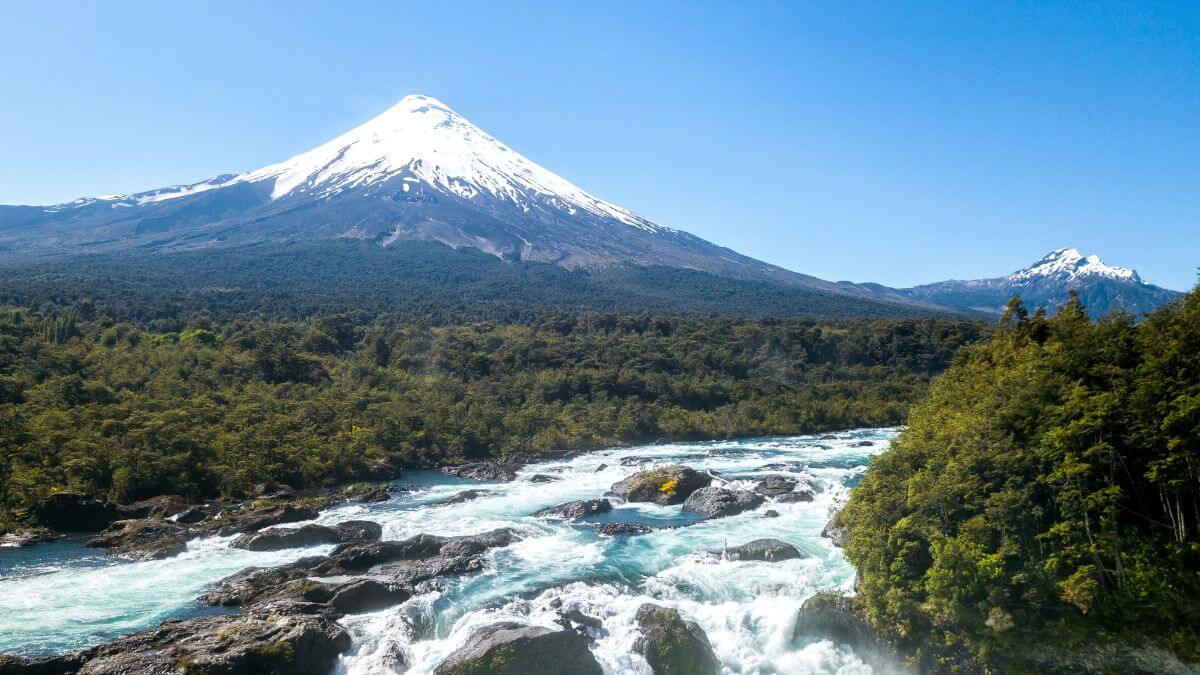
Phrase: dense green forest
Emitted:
{"points": [[1045, 495], [418, 280], [211, 409]]}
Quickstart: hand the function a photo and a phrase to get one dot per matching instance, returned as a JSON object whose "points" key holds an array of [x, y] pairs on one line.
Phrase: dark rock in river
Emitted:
{"points": [[584, 508], [258, 642], [768, 550], [543, 478], [770, 513], [510, 648], [368, 595], [489, 471], [664, 485], [22, 538], [862, 444], [253, 584], [75, 512], [673, 645], [466, 496], [614, 529], [802, 494], [716, 502], [775, 485], [838, 618], [145, 539], [274, 539]]}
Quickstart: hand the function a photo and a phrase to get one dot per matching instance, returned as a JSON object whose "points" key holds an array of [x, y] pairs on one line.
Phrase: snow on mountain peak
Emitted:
{"points": [[424, 138], [1069, 263]]}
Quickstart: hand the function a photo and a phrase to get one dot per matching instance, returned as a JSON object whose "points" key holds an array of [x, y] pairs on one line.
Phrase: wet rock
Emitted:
{"points": [[775, 485], [258, 642], [510, 648], [601, 468], [543, 478], [23, 538], [489, 471], [716, 502], [265, 517], [838, 618], [575, 616], [836, 530], [368, 595], [673, 645], [466, 496], [274, 539], [253, 584], [631, 461], [75, 512], [615, 529], [362, 557], [144, 539], [584, 508], [802, 494], [770, 513], [767, 550], [862, 444], [665, 485]]}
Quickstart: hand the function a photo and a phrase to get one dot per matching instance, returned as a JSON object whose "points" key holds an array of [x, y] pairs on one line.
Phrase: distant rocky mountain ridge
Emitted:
{"points": [[1048, 283]]}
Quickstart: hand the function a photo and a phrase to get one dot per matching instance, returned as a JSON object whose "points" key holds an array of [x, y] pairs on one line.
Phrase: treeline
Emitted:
{"points": [[422, 281], [1045, 495], [113, 409]]}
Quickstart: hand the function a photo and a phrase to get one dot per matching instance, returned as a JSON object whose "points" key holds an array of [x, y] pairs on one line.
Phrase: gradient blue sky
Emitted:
{"points": [[893, 142]]}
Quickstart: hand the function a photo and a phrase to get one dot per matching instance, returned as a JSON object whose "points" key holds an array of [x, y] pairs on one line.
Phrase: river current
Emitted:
{"points": [[62, 596]]}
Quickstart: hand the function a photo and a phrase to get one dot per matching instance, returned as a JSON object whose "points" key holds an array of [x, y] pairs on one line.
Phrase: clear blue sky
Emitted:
{"points": [[892, 142]]}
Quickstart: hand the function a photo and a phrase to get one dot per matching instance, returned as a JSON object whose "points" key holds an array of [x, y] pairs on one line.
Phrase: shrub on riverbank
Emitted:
{"points": [[1046, 492]]}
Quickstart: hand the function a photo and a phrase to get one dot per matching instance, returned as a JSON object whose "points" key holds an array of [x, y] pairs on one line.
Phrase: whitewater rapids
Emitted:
{"points": [[61, 596]]}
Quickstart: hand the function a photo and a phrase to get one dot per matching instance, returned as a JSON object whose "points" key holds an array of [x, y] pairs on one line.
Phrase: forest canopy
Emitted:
{"points": [[1046, 492], [211, 409]]}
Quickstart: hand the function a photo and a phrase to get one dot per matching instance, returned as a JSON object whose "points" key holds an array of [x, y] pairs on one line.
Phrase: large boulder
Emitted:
{"points": [[584, 508], [716, 502], [665, 485], [258, 642], [75, 512], [144, 539], [673, 645], [767, 550], [838, 618], [510, 648], [367, 595], [775, 485], [274, 539]]}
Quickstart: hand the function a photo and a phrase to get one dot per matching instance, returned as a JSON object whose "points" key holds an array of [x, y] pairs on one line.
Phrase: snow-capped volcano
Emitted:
{"points": [[1048, 283], [419, 171], [1070, 264], [420, 139]]}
